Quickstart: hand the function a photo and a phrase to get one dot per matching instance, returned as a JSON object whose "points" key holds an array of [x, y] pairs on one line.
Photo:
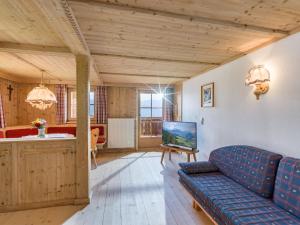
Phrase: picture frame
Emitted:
{"points": [[208, 95]]}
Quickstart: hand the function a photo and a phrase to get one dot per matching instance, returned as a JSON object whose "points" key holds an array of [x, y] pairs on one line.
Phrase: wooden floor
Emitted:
{"points": [[128, 189]]}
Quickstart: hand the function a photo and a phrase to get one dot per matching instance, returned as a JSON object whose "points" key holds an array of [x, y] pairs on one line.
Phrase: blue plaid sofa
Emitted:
{"points": [[245, 185]]}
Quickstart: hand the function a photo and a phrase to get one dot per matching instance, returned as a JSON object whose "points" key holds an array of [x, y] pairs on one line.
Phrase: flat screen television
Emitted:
{"points": [[180, 134]]}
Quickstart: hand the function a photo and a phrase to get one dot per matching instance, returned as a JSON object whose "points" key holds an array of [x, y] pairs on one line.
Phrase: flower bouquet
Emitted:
{"points": [[40, 124]]}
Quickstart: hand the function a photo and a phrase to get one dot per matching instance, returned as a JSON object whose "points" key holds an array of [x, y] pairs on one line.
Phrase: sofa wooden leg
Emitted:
{"points": [[196, 206]]}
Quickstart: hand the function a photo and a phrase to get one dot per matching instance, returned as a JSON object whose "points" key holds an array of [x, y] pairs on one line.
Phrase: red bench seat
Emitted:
{"points": [[2, 134], [18, 132], [60, 130]]}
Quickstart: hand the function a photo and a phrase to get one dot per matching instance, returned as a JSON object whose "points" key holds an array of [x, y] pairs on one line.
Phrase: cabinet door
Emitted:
{"points": [[5, 175], [46, 172]]}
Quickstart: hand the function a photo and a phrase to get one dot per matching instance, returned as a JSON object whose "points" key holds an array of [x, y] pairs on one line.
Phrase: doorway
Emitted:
{"points": [[150, 119]]}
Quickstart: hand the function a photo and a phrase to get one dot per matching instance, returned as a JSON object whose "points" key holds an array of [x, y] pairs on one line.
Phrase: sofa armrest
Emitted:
{"points": [[198, 167]]}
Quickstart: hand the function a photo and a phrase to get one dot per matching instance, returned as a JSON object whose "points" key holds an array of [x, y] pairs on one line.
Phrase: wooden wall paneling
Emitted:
{"points": [[10, 106], [137, 117], [178, 101], [26, 113], [127, 103], [6, 175], [149, 142], [121, 102], [112, 100]]}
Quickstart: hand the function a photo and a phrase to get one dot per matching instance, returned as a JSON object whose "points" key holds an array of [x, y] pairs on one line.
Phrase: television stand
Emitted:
{"points": [[189, 152]]}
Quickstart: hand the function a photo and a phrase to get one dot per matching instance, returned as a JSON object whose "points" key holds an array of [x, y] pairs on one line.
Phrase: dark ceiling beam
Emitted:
{"points": [[219, 22], [157, 59]]}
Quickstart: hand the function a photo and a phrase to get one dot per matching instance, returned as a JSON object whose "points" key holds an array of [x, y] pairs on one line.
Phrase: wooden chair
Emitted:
{"points": [[94, 139]]}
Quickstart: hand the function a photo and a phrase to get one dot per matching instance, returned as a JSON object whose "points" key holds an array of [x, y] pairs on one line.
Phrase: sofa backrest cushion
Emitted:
{"points": [[287, 185], [252, 167], [17, 133], [59, 130], [198, 167]]}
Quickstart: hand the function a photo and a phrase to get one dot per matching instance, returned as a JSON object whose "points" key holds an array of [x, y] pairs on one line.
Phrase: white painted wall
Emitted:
{"points": [[272, 123]]}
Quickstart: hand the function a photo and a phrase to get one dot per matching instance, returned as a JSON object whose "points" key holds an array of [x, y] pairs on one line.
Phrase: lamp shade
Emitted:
{"points": [[257, 75], [41, 97]]}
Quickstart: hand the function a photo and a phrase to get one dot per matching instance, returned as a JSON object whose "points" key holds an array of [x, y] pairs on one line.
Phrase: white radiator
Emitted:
{"points": [[121, 133]]}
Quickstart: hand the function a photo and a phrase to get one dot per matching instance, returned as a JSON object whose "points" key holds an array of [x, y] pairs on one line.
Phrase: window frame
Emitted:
{"points": [[151, 106], [71, 119], [151, 118]]}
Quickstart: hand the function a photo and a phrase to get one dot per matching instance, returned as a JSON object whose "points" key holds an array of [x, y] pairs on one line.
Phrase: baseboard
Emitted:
{"points": [[81, 201], [38, 205], [116, 150]]}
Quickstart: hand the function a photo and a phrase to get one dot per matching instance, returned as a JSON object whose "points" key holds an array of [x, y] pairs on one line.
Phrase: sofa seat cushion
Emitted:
{"points": [[230, 203], [251, 167], [287, 185], [198, 167], [1, 134], [189, 182]]}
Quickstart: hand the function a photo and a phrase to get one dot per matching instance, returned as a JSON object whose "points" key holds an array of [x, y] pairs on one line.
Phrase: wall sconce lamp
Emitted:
{"points": [[258, 76]]}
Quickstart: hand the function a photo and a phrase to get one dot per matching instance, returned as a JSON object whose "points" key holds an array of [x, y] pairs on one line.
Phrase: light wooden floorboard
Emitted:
{"points": [[128, 189]]}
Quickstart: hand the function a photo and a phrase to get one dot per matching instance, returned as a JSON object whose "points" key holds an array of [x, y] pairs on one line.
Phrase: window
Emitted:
{"points": [[72, 104], [151, 114]]}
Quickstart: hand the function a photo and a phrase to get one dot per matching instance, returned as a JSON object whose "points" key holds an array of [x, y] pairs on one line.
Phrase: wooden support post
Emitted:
{"points": [[83, 129]]}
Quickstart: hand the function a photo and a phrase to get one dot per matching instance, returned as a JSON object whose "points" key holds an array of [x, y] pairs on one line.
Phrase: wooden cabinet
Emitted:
{"points": [[37, 173], [5, 175]]}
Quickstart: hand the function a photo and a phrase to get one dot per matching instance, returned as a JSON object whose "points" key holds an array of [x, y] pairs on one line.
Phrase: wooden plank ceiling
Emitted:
{"points": [[29, 44], [142, 41], [178, 39]]}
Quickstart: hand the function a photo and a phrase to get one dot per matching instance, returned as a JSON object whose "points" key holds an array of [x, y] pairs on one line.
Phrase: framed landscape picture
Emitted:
{"points": [[207, 95]]}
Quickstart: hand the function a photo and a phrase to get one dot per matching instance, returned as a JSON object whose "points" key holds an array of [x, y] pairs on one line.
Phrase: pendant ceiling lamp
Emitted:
{"points": [[41, 97]]}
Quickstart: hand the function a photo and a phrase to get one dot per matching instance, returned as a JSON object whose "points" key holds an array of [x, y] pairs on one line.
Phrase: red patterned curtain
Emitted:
{"points": [[61, 90], [101, 104], [168, 102], [2, 116]]}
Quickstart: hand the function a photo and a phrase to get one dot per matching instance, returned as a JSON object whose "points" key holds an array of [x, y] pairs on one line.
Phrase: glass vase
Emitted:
{"points": [[41, 133]]}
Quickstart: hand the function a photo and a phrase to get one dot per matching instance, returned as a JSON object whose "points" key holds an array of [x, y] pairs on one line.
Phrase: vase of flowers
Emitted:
{"points": [[40, 124]]}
